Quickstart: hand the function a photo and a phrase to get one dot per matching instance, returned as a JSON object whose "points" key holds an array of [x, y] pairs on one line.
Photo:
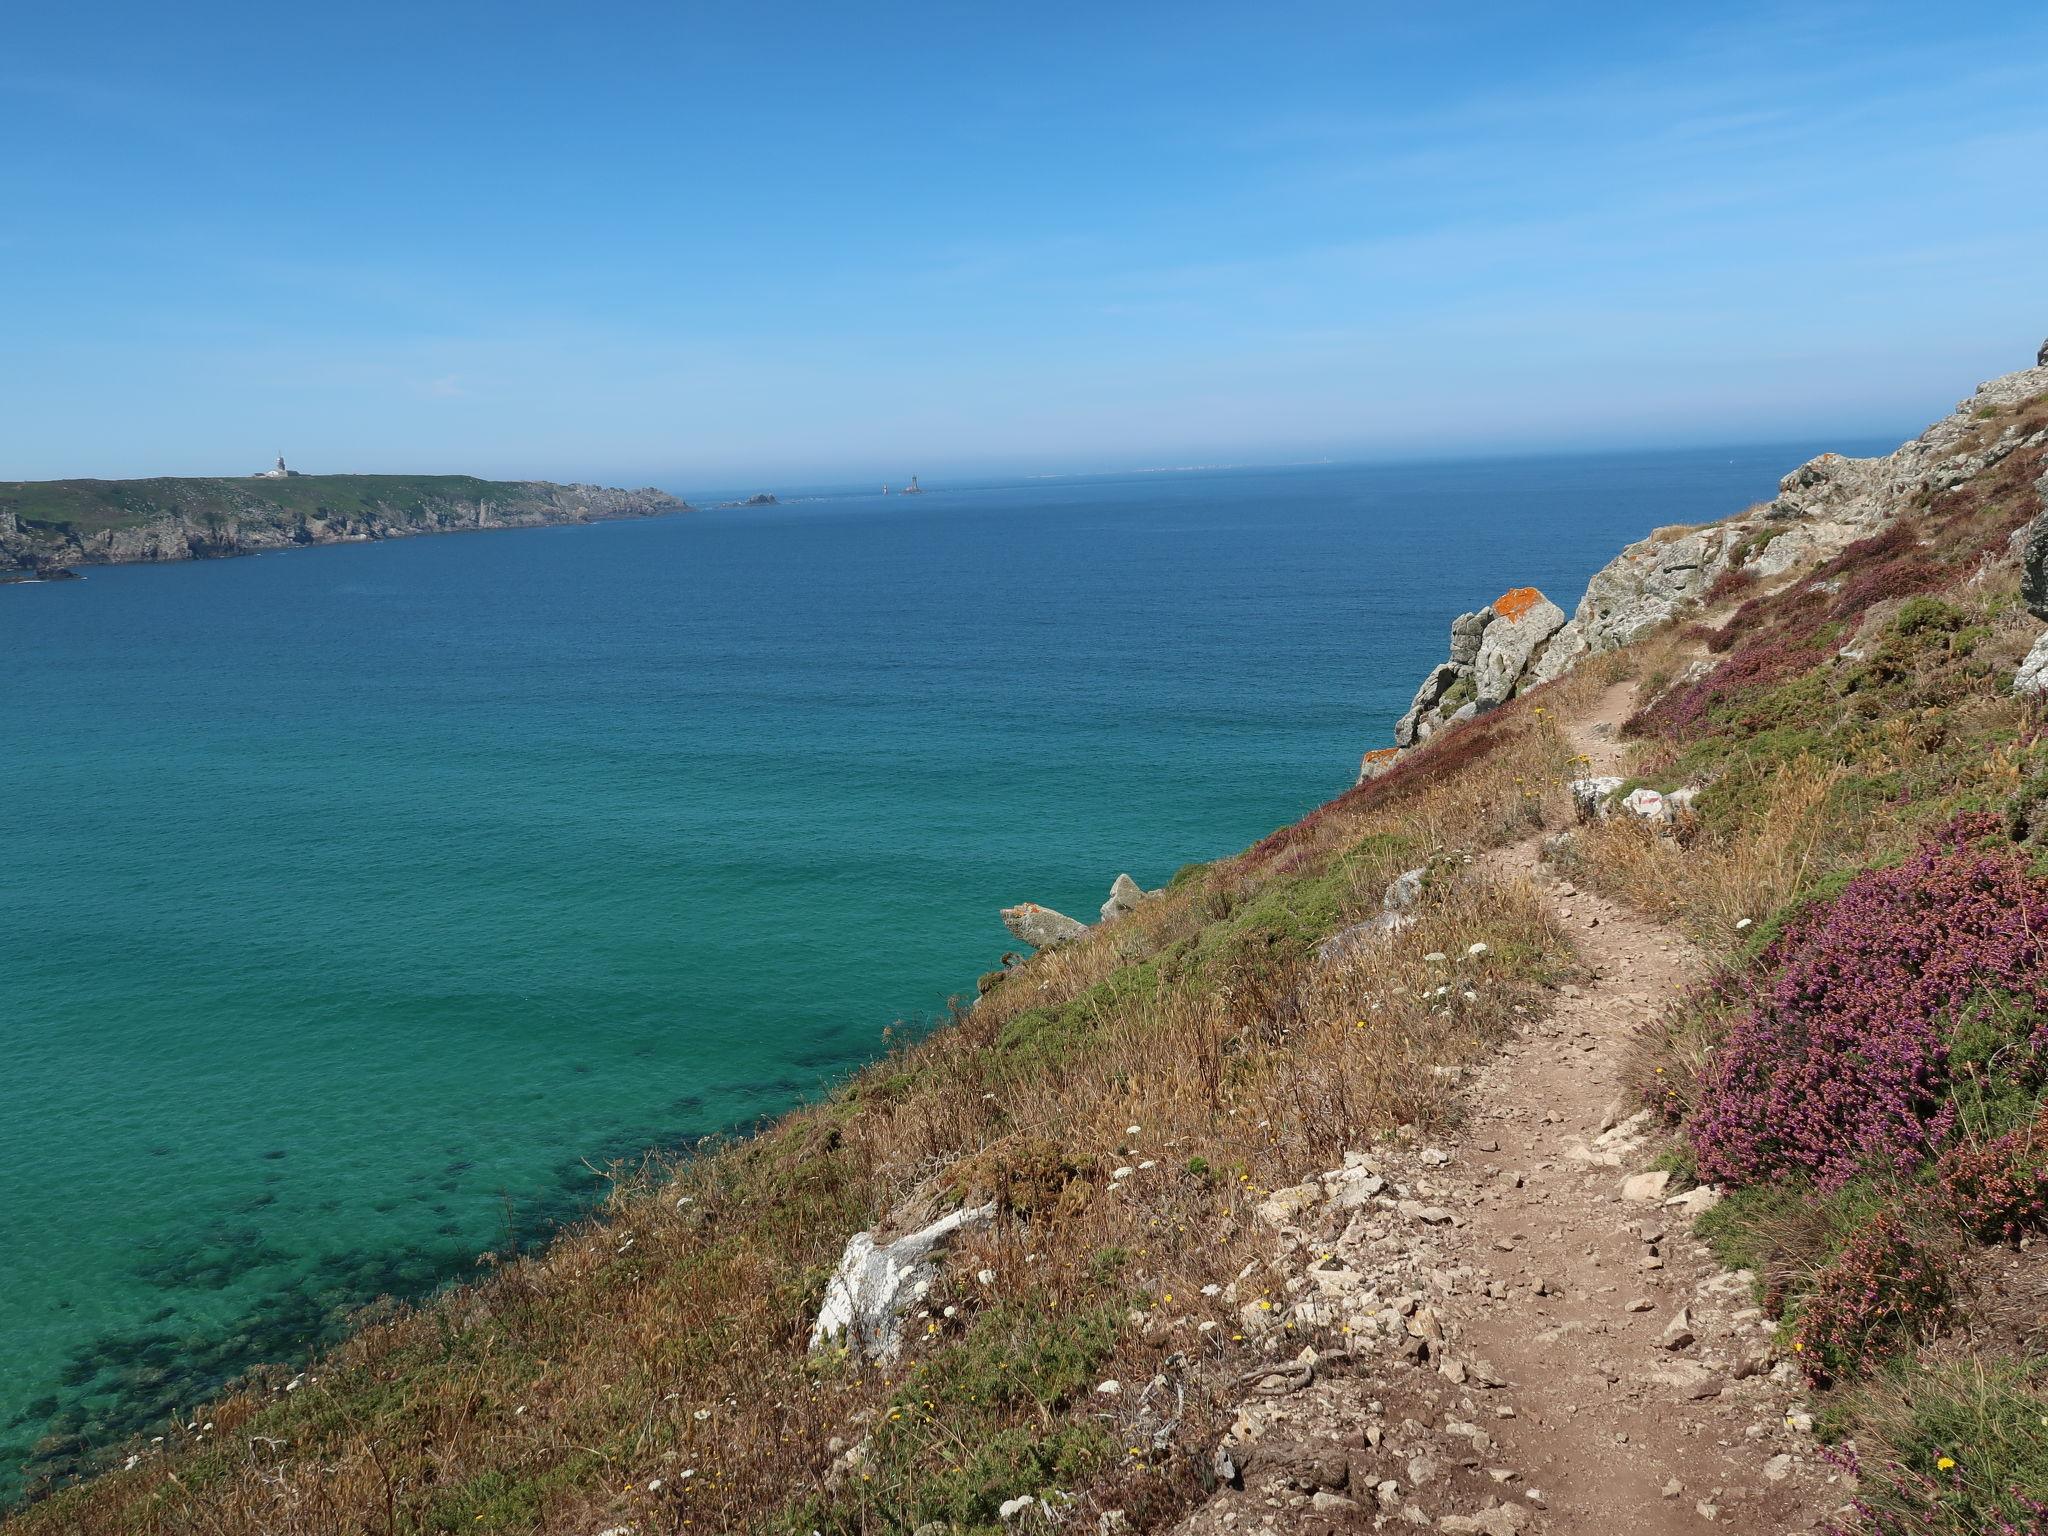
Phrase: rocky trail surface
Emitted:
{"points": [[1534, 1340]]}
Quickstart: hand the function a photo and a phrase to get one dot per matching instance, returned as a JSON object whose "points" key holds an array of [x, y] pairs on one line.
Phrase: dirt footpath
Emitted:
{"points": [[1533, 1339]]}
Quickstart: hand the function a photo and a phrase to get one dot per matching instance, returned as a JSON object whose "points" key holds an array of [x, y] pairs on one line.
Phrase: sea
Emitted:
{"points": [[362, 907]]}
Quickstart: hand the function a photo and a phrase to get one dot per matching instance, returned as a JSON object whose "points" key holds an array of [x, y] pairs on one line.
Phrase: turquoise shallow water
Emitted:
{"points": [[358, 901]]}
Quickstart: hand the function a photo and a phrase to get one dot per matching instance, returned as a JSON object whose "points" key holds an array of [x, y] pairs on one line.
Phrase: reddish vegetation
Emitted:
{"points": [[1884, 1287], [1737, 578], [1843, 1062], [1683, 713], [1997, 1191]]}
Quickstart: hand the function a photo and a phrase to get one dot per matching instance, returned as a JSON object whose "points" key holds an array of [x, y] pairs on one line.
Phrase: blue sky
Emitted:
{"points": [[711, 245]]}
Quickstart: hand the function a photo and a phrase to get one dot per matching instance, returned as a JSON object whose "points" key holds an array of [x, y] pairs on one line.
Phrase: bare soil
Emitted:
{"points": [[1553, 1355]]}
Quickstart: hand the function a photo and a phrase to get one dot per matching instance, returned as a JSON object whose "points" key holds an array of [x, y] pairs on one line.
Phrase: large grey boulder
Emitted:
{"points": [[1466, 630], [1821, 507], [1407, 729], [1649, 582], [877, 1283], [1124, 896], [1041, 927], [2041, 358], [1522, 621], [1865, 494], [2033, 548]]}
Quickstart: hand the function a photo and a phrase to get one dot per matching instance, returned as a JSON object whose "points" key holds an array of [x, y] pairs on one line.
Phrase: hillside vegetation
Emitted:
{"points": [[89, 506], [1863, 1080], [54, 524]]}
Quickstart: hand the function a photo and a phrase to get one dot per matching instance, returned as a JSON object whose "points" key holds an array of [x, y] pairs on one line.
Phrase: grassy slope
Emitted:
{"points": [[85, 507], [665, 1341], [650, 1367]]}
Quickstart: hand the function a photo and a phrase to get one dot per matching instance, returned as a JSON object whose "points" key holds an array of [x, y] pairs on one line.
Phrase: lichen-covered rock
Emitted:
{"points": [[1041, 927], [1377, 762], [1490, 655], [1522, 620]]}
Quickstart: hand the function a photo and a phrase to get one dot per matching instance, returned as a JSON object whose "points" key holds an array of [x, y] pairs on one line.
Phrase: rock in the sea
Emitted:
{"points": [[2032, 678], [1124, 896], [876, 1284], [1041, 927], [1522, 620]]}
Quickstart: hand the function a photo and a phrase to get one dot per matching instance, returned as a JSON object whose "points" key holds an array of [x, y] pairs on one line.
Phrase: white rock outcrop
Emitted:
{"points": [[2032, 678], [1491, 654], [876, 1284]]}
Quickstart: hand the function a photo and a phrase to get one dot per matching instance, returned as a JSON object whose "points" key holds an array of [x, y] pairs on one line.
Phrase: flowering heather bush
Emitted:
{"points": [[1682, 713], [1998, 1190], [1885, 1289], [1843, 1060]]}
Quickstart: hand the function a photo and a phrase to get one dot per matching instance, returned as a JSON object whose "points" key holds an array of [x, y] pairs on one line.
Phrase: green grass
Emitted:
{"points": [[948, 1448], [1952, 1449]]}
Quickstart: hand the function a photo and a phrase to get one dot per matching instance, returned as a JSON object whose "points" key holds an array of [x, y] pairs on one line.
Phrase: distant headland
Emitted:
{"points": [[49, 526]]}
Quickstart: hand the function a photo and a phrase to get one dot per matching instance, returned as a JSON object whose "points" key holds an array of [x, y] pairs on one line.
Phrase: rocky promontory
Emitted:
{"points": [[47, 526], [1822, 507]]}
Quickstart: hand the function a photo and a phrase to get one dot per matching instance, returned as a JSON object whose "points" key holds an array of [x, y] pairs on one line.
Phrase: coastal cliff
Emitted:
{"points": [[1462, 1157], [1822, 508], [47, 526]]}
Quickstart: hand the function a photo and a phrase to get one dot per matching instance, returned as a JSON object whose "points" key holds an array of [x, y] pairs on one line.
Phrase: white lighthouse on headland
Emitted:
{"points": [[279, 473]]}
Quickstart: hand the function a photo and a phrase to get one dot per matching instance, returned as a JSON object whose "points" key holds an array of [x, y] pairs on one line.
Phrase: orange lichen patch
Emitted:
{"points": [[1382, 754], [1512, 605]]}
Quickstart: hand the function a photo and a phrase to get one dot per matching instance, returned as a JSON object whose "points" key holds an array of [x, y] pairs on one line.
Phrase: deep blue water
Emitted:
{"points": [[355, 898]]}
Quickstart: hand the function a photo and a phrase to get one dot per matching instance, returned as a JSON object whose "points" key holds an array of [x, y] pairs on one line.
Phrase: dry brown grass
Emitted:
{"points": [[1709, 885]]}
